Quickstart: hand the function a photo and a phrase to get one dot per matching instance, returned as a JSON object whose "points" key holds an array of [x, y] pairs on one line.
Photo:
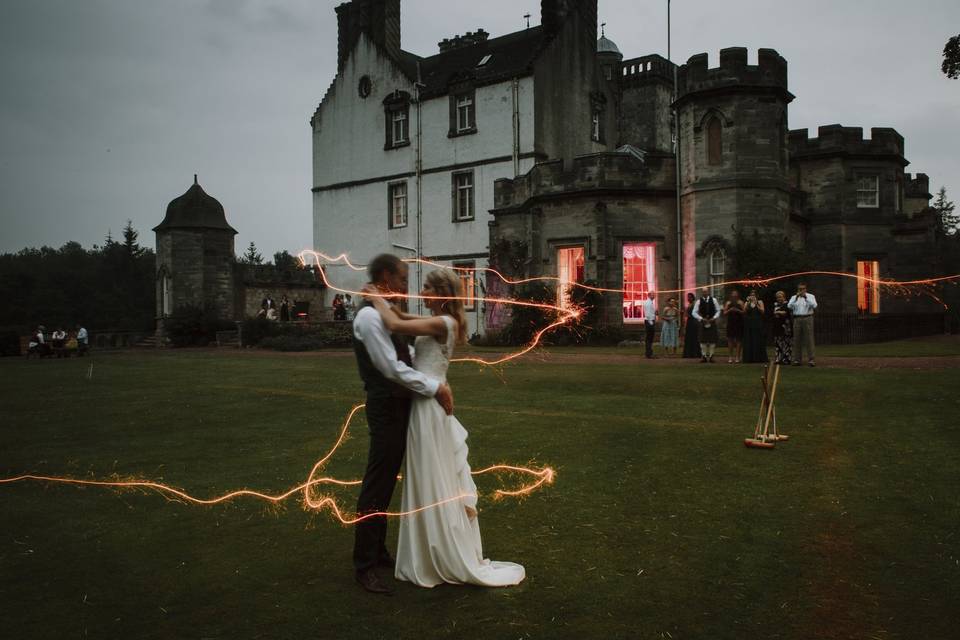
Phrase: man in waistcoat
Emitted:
{"points": [[706, 311], [389, 379]]}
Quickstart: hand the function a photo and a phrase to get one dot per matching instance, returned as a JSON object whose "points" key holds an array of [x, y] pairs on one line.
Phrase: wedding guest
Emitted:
{"points": [[267, 304], [83, 340], [339, 313], [36, 346], [272, 314], [706, 311], [754, 338], [650, 314], [59, 338], [670, 327], [733, 310], [349, 309], [284, 309], [691, 334], [782, 329], [802, 305]]}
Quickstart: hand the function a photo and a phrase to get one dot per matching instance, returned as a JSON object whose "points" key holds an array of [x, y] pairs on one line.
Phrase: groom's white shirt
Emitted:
{"points": [[369, 329]]}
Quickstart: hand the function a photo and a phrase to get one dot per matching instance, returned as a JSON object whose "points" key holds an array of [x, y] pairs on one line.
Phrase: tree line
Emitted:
{"points": [[108, 287]]}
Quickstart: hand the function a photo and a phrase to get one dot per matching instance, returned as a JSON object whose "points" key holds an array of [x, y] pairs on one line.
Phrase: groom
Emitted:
{"points": [[389, 379]]}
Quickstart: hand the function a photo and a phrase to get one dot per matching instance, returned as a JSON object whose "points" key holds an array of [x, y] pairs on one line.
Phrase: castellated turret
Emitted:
{"points": [[733, 152]]}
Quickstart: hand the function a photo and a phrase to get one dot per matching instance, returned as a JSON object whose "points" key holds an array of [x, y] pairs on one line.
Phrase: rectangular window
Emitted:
{"points": [[718, 267], [397, 204], [868, 286], [465, 113], [570, 266], [639, 277], [401, 127], [868, 191], [463, 196], [595, 127], [466, 271]]}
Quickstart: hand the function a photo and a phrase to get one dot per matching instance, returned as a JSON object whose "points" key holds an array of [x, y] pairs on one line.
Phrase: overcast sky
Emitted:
{"points": [[110, 106]]}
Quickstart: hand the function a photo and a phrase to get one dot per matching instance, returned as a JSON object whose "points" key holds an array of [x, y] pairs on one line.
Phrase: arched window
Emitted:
{"points": [[714, 141], [717, 267]]}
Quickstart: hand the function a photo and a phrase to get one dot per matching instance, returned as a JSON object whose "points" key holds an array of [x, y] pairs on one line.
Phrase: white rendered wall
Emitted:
{"points": [[348, 146]]}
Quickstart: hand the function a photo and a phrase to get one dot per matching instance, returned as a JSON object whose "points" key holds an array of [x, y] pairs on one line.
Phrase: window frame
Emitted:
{"points": [[714, 141], [392, 198], [397, 103], [470, 95], [466, 272], [455, 193], [637, 294], [868, 290], [598, 108], [864, 175], [716, 276], [563, 290]]}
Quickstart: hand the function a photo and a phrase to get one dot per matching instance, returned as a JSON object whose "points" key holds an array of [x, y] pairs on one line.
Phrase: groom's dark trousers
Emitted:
{"points": [[388, 411]]}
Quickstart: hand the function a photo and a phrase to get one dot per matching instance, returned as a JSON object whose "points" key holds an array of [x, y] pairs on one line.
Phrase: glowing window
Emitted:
{"points": [[569, 270], [468, 283], [868, 286], [639, 277]]}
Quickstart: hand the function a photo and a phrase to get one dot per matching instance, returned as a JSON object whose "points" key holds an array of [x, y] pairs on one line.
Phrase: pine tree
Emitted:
{"points": [[130, 235], [947, 221], [252, 256]]}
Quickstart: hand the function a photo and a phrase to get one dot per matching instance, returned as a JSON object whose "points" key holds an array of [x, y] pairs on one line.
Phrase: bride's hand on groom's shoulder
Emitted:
{"points": [[369, 292]]}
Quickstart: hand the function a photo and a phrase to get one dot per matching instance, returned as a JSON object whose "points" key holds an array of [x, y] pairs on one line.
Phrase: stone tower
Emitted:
{"points": [[733, 150], [195, 257]]}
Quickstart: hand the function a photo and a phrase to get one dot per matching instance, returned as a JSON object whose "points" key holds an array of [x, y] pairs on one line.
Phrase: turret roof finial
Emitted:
{"points": [[602, 25], [194, 178]]}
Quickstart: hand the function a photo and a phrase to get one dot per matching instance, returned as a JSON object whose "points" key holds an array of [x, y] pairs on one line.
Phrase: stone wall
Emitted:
{"points": [[646, 92]]}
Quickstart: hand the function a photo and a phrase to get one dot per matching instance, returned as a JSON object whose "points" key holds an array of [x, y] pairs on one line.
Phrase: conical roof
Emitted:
{"points": [[195, 209]]}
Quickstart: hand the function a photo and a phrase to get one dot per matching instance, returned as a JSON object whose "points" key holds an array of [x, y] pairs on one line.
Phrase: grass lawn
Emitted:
{"points": [[660, 524]]}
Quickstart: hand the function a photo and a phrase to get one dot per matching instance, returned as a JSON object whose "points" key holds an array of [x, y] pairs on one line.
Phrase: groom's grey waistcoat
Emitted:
{"points": [[374, 382]]}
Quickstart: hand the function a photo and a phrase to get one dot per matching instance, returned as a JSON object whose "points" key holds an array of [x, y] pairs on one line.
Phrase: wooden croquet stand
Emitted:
{"points": [[766, 435]]}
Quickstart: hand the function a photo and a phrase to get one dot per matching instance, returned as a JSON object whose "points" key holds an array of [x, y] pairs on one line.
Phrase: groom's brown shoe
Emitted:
{"points": [[370, 581]]}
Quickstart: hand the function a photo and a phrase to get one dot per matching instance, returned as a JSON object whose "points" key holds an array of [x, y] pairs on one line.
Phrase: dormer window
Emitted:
{"points": [[396, 109], [463, 113], [485, 59]]}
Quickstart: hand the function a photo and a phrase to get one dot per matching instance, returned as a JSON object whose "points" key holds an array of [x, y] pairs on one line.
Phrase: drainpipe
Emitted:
{"points": [[419, 173], [676, 155]]}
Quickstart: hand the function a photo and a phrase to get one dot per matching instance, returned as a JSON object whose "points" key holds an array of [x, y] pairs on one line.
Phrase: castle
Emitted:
{"points": [[547, 145]]}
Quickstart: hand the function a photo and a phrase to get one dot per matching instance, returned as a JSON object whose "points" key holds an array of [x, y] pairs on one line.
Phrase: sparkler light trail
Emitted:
{"points": [[567, 314], [539, 477]]}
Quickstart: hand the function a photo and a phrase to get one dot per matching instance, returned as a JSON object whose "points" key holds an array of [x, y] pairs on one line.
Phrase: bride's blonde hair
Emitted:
{"points": [[446, 284]]}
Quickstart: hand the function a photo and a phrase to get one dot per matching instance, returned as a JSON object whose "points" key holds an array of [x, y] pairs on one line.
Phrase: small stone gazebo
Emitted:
{"points": [[195, 257]]}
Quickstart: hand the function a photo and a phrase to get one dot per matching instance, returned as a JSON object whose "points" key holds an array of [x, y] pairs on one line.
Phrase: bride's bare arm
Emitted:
{"points": [[415, 326]]}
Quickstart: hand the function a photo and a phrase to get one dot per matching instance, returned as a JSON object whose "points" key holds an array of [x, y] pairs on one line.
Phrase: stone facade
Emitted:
{"points": [[197, 267], [574, 146]]}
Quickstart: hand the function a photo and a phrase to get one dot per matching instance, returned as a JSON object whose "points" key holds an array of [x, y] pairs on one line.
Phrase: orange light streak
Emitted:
{"points": [[543, 476]]}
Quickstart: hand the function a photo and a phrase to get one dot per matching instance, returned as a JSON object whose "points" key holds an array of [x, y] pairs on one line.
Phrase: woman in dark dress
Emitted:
{"points": [[691, 334], [733, 310], [782, 329], [284, 309], [754, 340]]}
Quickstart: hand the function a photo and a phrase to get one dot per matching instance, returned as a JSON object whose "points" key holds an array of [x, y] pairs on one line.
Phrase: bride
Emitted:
{"points": [[440, 543]]}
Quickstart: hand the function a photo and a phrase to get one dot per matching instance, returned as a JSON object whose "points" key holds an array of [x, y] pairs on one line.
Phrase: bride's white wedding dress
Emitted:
{"points": [[442, 543]]}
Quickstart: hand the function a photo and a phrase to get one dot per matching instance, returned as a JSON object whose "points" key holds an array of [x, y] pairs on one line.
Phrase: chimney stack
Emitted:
{"points": [[380, 19], [553, 13]]}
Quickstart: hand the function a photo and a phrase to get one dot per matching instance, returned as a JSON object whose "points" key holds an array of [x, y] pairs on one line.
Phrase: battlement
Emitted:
{"points": [[613, 170], [646, 68], [834, 139], [696, 76]]}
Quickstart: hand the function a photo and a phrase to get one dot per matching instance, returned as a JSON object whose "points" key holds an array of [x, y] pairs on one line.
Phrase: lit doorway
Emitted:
{"points": [[569, 270], [639, 278]]}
